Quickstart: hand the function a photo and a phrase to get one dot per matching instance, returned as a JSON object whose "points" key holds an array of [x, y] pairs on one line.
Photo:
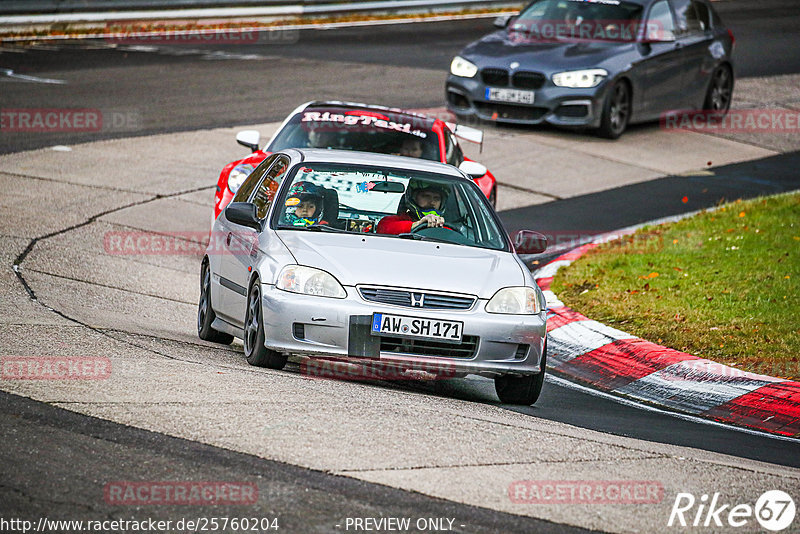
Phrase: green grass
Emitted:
{"points": [[723, 285]]}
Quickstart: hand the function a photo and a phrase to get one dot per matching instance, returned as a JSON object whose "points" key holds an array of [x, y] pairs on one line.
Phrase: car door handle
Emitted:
{"points": [[228, 239]]}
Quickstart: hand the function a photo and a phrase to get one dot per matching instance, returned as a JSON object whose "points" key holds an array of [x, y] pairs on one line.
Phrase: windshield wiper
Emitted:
{"points": [[313, 228], [420, 237]]}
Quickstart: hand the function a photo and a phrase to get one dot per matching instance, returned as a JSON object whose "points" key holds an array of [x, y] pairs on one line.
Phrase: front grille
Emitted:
{"points": [[511, 111], [496, 77], [416, 347], [528, 80], [405, 298]]}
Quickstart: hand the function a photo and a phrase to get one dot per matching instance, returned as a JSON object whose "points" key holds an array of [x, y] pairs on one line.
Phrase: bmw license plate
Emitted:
{"points": [[509, 95], [417, 327]]}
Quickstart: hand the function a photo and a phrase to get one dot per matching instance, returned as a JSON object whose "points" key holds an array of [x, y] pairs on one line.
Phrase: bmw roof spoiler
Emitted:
{"points": [[467, 133]]}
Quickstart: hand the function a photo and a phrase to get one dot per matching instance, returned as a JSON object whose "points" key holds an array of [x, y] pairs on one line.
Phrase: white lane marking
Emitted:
{"points": [[551, 299], [579, 337], [61, 148], [693, 386], [633, 404], [550, 269], [11, 74]]}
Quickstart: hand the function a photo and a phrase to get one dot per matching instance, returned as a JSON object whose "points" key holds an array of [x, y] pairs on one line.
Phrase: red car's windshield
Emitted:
{"points": [[364, 130]]}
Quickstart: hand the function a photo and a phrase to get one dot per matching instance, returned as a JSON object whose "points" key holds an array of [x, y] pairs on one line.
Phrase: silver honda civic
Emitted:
{"points": [[369, 258]]}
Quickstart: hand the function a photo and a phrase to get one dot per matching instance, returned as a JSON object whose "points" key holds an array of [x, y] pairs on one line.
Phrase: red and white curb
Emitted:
{"points": [[615, 362]]}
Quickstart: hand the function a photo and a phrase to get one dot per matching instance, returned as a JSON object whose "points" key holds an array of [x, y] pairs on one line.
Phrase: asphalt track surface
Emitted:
{"points": [[191, 92]]}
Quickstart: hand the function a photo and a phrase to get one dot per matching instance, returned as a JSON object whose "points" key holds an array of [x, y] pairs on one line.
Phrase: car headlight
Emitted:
{"points": [[237, 176], [514, 300], [309, 281], [580, 78], [461, 67]]}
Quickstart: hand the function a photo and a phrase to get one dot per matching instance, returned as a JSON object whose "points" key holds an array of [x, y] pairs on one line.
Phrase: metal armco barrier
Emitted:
{"points": [[55, 11]]}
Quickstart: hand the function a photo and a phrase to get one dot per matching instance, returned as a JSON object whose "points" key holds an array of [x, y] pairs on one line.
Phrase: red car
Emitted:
{"points": [[368, 128]]}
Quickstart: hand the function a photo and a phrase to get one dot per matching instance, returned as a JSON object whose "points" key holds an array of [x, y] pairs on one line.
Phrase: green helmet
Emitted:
{"points": [[414, 187]]}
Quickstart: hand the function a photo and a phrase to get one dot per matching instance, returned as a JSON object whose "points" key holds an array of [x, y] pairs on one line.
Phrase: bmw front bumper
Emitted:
{"points": [[561, 106], [492, 345]]}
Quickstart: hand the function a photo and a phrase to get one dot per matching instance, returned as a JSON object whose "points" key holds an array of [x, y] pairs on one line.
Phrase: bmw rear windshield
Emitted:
{"points": [[343, 128]]}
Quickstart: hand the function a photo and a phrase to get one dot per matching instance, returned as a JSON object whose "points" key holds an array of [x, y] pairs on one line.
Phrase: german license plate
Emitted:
{"points": [[417, 327], [509, 95]]}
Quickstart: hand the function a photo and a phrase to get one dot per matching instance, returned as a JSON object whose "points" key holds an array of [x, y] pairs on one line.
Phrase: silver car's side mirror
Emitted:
{"points": [[249, 138], [529, 242], [473, 169]]}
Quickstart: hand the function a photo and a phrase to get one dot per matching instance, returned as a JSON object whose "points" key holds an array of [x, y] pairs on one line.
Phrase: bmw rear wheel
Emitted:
{"points": [[205, 313], [718, 97], [254, 350]]}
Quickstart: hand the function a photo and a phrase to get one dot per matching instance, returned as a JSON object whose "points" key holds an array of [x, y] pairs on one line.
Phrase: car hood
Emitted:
{"points": [[386, 261], [501, 48]]}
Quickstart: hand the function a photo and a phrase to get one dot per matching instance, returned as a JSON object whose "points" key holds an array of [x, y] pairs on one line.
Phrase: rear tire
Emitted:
{"points": [[254, 350], [616, 111], [205, 313], [720, 91], [524, 390]]}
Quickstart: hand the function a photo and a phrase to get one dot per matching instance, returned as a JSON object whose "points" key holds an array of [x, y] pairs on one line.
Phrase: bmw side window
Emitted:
{"points": [[703, 14], [243, 194], [265, 192], [688, 23], [660, 25]]}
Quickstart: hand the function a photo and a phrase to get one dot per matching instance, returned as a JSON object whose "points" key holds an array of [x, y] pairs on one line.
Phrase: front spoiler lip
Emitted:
{"points": [[333, 344]]}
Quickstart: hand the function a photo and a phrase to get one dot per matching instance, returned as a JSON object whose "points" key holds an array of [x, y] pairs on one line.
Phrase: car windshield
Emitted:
{"points": [[353, 199], [363, 130], [600, 20]]}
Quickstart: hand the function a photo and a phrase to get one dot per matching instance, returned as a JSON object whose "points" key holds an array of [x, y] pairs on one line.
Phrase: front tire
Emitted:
{"points": [[524, 390], [616, 111], [254, 350], [205, 313]]}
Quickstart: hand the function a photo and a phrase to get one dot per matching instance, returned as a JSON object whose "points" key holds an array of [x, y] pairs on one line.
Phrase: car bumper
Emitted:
{"points": [[325, 327], [561, 106]]}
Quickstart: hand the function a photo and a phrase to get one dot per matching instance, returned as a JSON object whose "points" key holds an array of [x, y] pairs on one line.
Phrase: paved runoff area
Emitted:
{"points": [[126, 318]]}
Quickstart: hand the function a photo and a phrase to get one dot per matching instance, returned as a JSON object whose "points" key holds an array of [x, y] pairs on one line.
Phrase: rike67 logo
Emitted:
{"points": [[774, 510]]}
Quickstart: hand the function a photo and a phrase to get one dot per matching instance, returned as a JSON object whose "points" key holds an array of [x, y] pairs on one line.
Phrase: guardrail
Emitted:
{"points": [[14, 11]]}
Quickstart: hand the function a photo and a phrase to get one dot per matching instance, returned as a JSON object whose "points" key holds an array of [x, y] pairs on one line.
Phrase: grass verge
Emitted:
{"points": [[723, 285]]}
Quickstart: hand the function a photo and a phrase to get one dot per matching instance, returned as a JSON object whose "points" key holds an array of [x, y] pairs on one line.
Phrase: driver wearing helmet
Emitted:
{"points": [[304, 205], [425, 205]]}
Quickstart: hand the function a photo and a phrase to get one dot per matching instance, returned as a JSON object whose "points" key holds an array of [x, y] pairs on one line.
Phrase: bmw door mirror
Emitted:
{"points": [[529, 242], [473, 169], [249, 139], [243, 214], [502, 21]]}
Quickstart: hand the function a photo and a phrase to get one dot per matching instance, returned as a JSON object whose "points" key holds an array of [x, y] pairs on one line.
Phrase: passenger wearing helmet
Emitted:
{"points": [[425, 204], [304, 205]]}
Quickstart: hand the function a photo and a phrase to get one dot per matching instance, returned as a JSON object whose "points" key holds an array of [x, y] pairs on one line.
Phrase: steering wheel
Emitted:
{"points": [[424, 226]]}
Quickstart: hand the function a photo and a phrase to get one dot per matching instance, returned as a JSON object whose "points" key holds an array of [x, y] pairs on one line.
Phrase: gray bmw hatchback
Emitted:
{"points": [[600, 64]]}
